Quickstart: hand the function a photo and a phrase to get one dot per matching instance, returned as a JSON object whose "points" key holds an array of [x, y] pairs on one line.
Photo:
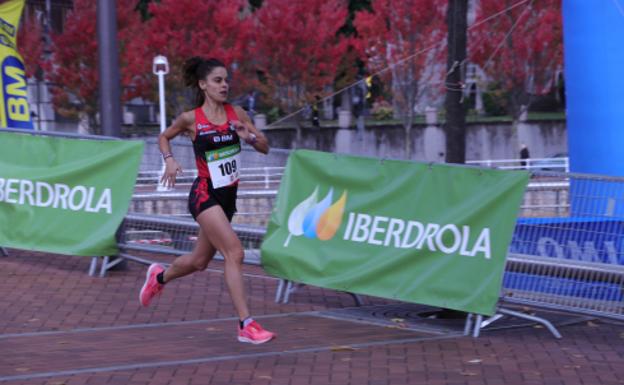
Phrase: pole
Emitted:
{"points": [[110, 84], [48, 20], [110, 93], [456, 19], [160, 68], [161, 99]]}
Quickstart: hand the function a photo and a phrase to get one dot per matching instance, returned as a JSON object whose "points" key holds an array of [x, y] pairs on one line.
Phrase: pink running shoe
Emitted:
{"points": [[151, 287], [255, 334]]}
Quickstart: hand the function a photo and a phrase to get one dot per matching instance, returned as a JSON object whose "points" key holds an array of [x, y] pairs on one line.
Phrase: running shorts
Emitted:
{"points": [[203, 196]]}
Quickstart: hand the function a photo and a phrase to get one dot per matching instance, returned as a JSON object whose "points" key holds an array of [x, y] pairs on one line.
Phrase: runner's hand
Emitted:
{"points": [[242, 130], [172, 169]]}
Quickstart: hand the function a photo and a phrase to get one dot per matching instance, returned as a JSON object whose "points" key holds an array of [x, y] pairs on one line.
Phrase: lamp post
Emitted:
{"points": [[160, 68], [108, 55]]}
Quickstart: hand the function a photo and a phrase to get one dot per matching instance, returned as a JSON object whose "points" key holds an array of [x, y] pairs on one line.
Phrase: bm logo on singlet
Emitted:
{"points": [[223, 138], [314, 219]]}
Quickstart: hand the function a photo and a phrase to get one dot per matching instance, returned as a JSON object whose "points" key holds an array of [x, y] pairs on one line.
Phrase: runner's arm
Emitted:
{"points": [[184, 123], [247, 131]]}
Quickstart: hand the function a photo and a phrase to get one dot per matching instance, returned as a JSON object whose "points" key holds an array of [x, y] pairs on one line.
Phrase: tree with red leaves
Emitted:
{"points": [[30, 45], [180, 29], [521, 50], [73, 66], [297, 50], [404, 40]]}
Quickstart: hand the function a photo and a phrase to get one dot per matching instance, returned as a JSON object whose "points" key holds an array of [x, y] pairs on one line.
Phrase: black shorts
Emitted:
{"points": [[203, 196]]}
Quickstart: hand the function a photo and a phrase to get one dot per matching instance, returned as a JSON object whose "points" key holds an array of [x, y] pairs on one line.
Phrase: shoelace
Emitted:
{"points": [[251, 328]]}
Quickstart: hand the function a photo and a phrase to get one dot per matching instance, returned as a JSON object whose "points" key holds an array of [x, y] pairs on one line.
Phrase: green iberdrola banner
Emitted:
{"points": [[65, 196], [14, 108], [426, 233]]}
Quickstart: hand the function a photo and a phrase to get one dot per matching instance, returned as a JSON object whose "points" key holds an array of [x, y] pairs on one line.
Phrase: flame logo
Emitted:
{"points": [[314, 219]]}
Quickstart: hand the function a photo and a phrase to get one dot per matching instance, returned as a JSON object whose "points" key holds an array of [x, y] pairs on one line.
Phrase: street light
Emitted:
{"points": [[160, 68]]}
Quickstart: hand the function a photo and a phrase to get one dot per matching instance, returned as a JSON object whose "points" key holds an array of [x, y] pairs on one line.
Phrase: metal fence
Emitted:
{"points": [[558, 164], [259, 180], [148, 234], [567, 251], [182, 149]]}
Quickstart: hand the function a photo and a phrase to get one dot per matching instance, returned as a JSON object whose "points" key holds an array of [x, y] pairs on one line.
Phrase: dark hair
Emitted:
{"points": [[196, 69]]}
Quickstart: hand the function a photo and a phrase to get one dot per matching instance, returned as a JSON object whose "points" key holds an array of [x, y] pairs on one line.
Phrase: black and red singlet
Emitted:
{"points": [[217, 156]]}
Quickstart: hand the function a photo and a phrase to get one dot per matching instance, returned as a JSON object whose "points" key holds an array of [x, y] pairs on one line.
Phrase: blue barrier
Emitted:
{"points": [[566, 287], [588, 239]]}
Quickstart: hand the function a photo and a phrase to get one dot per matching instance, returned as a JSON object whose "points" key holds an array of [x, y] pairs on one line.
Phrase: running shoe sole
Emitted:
{"points": [[257, 342]]}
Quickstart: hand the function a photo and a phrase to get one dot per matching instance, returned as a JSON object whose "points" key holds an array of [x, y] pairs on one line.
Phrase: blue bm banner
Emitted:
{"points": [[14, 108]]}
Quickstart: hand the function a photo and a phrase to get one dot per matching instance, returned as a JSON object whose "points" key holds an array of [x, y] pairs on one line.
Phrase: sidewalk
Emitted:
{"points": [[60, 326]]}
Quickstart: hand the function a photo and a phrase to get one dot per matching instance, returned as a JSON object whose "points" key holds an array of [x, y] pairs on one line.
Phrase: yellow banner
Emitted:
{"points": [[14, 108]]}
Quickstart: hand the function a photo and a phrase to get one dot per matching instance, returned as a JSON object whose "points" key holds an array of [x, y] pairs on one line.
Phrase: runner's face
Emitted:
{"points": [[216, 85]]}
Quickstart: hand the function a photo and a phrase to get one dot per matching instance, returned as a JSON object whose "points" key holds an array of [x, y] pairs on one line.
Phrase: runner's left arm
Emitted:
{"points": [[249, 133]]}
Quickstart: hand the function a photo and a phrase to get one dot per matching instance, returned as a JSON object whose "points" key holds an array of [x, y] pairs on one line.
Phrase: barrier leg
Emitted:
{"points": [[468, 324], [4, 252], [107, 264], [280, 289], [290, 288], [357, 299], [539, 320], [490, 320], [103, 269], [93, 266], [477, 326]]}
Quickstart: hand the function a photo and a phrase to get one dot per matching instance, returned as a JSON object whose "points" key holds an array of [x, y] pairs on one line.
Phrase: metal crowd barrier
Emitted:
{"points": [[250, 178], [567, 250], [566, 254], [159, 223], [581, 287], [155, 234], [561, 164], [182, 148]]}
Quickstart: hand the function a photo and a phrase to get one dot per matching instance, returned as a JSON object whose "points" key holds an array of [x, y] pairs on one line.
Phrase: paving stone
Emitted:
{"points": [[88, 330]]}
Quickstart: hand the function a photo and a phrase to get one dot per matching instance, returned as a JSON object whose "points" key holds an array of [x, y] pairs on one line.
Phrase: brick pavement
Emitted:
{"points": [[60, 326]]}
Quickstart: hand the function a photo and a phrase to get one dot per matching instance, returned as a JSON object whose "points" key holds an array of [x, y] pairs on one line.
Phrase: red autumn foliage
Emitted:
{"points": [[180, 29], [297, 49], [405, 40], [520, 50], [73, 67], [30, 44]]}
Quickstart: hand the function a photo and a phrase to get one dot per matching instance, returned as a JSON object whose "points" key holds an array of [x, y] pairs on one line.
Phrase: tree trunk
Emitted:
{"points": [[456, 19], [408, 141]]}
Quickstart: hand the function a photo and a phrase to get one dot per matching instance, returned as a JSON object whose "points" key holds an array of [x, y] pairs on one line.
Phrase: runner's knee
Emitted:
{"points": [[200, 263], [234, 255]]}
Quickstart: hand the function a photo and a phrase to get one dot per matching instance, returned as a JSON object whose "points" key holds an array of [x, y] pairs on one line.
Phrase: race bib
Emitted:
{"points": [[224, 165]]}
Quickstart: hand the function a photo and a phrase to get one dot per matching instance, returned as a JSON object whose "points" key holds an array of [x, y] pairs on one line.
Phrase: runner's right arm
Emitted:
{"points": [[184, 123]]}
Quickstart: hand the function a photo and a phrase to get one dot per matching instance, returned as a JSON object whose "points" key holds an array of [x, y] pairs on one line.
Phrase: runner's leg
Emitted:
{"points": [[219, 233], [197, 260]]}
